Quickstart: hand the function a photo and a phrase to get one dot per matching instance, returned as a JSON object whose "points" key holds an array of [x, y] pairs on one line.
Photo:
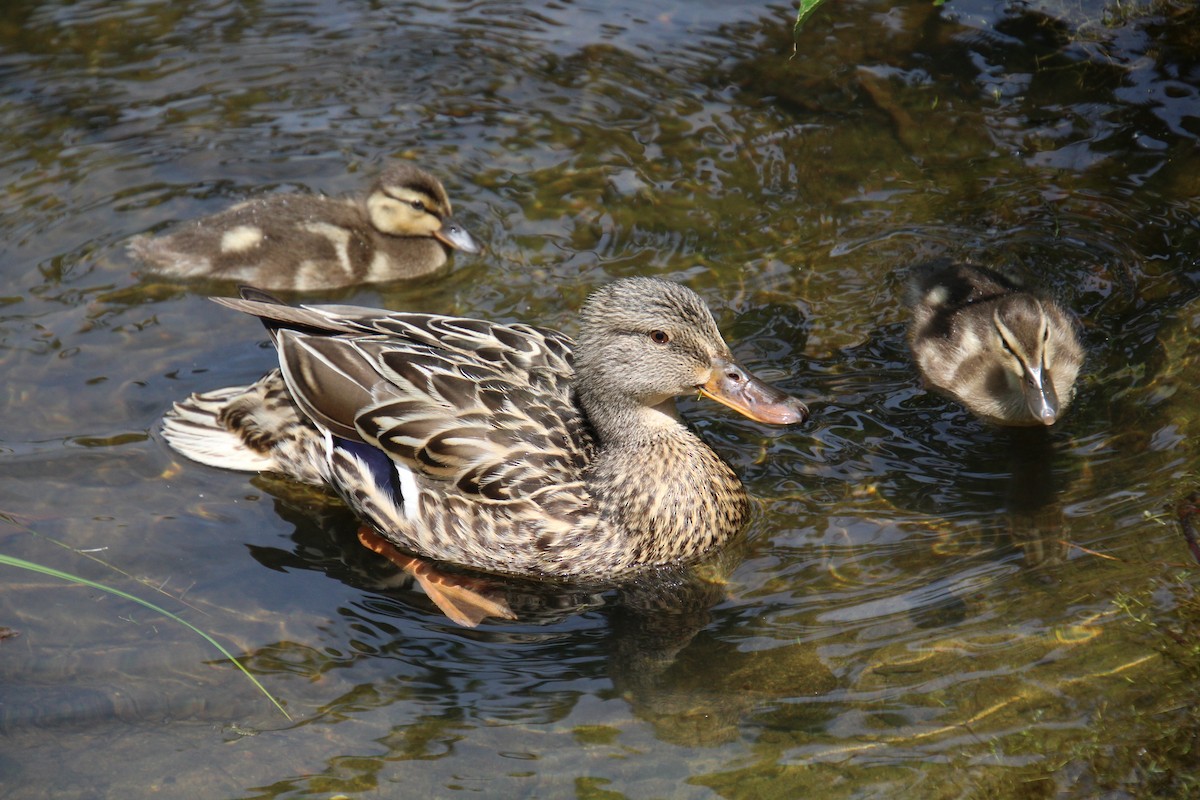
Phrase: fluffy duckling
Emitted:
{"points": [[499, 448], [297, 242], [1009, 355]]}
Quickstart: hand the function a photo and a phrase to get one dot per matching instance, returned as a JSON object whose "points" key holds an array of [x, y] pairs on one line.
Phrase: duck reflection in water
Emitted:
{"points": [[655, 638], [1035, 515]]}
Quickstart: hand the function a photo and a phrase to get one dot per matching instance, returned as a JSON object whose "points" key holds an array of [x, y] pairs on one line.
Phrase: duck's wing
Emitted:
{"points": [[523, 348], [495, 432], [482, 407]]}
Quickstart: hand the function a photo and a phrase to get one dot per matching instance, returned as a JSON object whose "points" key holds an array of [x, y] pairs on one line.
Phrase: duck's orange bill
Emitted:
{"points": [[733, 385]]}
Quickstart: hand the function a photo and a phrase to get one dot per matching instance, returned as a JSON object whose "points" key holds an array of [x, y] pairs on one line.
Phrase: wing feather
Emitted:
{"points": [[483, 409]]}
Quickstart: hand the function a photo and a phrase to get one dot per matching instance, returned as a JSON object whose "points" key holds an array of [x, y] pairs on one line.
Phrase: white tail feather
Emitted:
{"points": [[192, 429]]}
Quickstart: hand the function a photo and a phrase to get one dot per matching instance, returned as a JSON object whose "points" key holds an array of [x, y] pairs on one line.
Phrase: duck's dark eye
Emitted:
{"points": [[660, 337], [417, 205]]}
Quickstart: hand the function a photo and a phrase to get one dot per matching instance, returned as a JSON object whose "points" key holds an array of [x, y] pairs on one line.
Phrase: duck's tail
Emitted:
{"points": [[251, 428]]}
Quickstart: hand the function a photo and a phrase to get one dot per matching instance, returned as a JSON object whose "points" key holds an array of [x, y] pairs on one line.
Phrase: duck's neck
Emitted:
{"points": [[634, 424], [661, 488]]}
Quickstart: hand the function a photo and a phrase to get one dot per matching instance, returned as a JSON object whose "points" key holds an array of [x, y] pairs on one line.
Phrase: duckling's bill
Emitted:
{"points": [[733, 385], [455, 236], [1040, 396]]}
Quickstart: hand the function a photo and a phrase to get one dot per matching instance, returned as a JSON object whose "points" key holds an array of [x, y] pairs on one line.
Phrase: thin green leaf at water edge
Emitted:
{"points": [[66, 576], [803, 12]]}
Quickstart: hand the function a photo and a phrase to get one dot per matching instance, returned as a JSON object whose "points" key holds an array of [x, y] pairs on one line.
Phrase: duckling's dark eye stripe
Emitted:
{"points": [[415, 198], [985, 299]]}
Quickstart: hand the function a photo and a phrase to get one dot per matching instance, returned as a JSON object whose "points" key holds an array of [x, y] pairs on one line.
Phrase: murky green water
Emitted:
{"points": [[923, 607]]}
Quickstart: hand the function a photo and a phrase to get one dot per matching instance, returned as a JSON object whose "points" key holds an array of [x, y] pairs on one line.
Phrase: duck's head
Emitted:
{"points": [[1040, 353], [645, 341], [407, 201]]}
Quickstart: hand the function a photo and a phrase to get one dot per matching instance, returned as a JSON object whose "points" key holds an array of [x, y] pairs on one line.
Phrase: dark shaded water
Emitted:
{"points": [[923, 607]]}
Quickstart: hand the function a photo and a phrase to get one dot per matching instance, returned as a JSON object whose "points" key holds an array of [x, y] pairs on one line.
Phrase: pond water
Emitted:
{"points": [[923, 606]]}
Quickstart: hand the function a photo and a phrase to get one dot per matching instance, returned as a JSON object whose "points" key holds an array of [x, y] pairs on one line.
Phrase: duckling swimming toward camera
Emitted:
{"points": [[402, 229], [1009, 355]]}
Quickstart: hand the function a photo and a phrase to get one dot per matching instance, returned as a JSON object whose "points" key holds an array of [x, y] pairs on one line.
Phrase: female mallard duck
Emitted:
{"points": [[403, 229], [499, 448], [1007, 354]]}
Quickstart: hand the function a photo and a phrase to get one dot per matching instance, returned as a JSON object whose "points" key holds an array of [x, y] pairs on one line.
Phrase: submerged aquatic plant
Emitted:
{"points": [[806, 8]]}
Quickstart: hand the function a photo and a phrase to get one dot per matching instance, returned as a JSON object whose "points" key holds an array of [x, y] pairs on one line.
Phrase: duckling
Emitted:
{"points": [[1009, 355], [504, 449], [297, 242]]}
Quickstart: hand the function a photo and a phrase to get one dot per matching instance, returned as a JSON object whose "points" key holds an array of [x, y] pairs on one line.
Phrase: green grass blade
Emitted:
{"points": [[7, 519], [803, 12], [66, 576]]}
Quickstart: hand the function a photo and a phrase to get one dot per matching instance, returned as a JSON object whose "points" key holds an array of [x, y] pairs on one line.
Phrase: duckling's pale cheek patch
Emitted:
{"points": [[969, 345], [937, 295], [241, 238]]}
